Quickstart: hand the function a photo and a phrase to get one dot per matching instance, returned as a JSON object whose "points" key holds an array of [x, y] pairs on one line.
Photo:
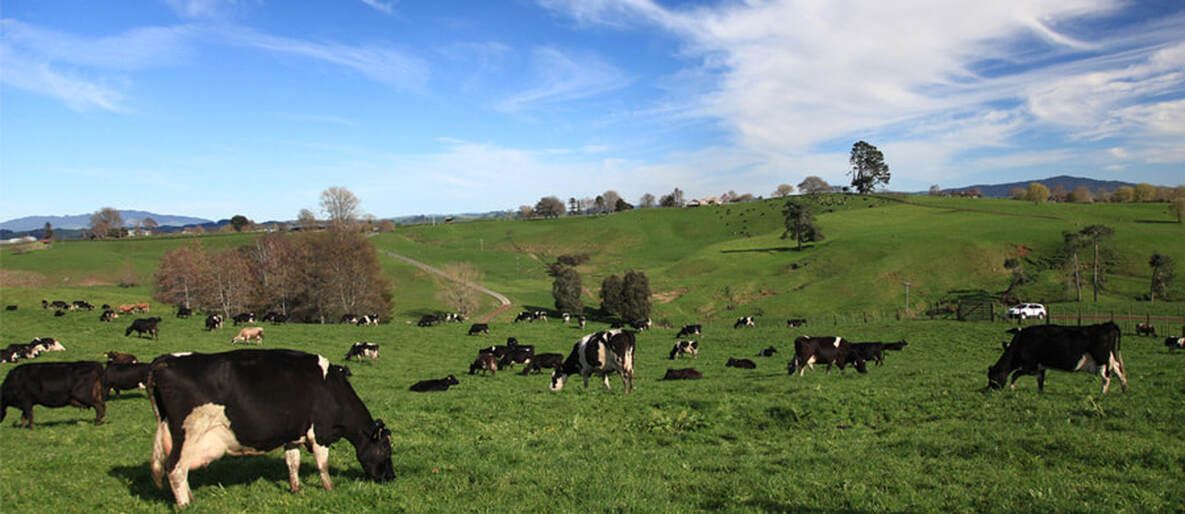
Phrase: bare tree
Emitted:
{"points": [[526, 212], [106, 222], [813, 185], [456, 291], [341, 206], [150, 224], [611, 197], [549, 207], [935, 190], [178, 278], [783, 190], [227, 287], [647, 201], [306, 220], [272, 259]]}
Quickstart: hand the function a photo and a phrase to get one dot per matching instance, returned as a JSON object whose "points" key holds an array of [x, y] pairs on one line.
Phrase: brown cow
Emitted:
{"points": [[247, 334]]}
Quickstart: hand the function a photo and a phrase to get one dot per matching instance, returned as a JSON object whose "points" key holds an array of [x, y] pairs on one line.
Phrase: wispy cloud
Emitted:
{"points": [[78, 93], [563, 77], [383, 7], [208, 9]]}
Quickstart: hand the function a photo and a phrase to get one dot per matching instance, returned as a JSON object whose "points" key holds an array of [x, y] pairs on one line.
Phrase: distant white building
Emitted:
{"points": [[19, 240]]}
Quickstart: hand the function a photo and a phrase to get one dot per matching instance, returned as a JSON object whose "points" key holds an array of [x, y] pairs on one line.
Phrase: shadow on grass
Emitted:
{"points": [[227, 472], [1169, 222], [770, 249]]}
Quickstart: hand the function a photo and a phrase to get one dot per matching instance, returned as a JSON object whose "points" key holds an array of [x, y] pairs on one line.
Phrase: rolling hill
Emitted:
{"points": [[79, 221]]}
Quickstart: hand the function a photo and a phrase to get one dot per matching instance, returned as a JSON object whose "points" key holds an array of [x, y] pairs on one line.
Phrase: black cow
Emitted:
{"points": [[439, 384], [1175, 343], [360, 350], [244, 317], [82, 304], [744, 321], [143, 326], [768, 352], [60, 305], [825, 350], [274, 317], [53, 384], [689, 330], [875, 351], [114, 357], [108, 315], [685, 348], [10, 307], [485, 361], [184, 312], [682, 374], [122, 377], [1091, 348], [603, 353], [428, 320], [213, 322], [479, 328], [58, 314], [251, 401], [544, 360], [795, 322], [1145, 329], [740, 363]]}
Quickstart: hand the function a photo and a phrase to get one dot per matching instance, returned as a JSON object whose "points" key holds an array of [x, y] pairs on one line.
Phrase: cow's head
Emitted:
{"points": [[452, 380], [557, 380], [374, 453], [996, 376]]}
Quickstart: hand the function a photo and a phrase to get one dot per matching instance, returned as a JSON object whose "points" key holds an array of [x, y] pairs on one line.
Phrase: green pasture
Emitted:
{"points": [[917, 434]]}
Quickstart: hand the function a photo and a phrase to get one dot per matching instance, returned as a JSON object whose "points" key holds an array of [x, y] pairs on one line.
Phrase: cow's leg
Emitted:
{"points": [[27, 415], [292, 458], [1015, 375], [605, 379], [1117, 364], [585, 375], [96, 400], [162, 445], [321, 454], [1105, 373], [627, 380], [178, 471], [1040, 380]]}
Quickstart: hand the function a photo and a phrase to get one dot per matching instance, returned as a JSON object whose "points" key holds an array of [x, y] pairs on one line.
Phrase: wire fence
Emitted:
{"points": [[1165, 322]]}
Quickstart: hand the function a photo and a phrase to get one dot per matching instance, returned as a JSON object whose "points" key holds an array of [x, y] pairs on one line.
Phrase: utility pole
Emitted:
{"points": [[907, 284]]}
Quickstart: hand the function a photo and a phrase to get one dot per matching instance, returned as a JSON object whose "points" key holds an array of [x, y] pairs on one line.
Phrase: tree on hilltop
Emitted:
{"points": [[868, 167]]}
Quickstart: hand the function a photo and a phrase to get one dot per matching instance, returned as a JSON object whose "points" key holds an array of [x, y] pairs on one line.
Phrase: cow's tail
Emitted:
{"points": [[162, 442]]}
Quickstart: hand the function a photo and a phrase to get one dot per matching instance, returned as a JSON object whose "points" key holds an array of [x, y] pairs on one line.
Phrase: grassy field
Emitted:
{"points": [[918, 434]]}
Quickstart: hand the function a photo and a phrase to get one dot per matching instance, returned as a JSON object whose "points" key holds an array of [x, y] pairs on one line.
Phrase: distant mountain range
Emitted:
{"points": [[1066, 181], [80, 221]]}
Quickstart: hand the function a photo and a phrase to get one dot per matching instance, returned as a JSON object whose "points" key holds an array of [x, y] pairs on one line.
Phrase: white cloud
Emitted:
{"points": [[383, 7], [78, 93], [563, 77], [132, 49], [203, 8]]}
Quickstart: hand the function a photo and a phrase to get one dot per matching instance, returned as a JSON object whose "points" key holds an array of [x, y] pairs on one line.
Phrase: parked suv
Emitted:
{"points": [[1027, 310]]}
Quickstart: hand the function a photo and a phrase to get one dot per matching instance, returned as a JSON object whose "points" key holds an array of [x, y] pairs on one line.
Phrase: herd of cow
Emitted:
{"points": [[197, 398]]}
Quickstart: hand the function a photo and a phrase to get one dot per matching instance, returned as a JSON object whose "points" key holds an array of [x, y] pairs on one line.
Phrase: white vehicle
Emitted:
{"points": [[1027, 310]]}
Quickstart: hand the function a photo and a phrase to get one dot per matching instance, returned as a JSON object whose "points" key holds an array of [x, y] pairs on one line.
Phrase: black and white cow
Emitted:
{"points": [[823, 350], [114, 357], [685, 348], [1090, 348], [543, 361], [1175, 343], [350, 319], [143, 326], [768, 352], [208, 405], [454, 317], [213, 322], [60, 305], [689, 330], [744, 321], [244, 317], [795, 323], [567, 316], [363, 350], [603, 353], [368, 320], [53, 384], [485, 362], [428, 320], [438, 384], [583, 320], [1145, 329], [740, 363], [525, 316], [108, 315], [479, 328], [184, 312], [125, 377], [82, 304], [682, 374], [641, 325]]}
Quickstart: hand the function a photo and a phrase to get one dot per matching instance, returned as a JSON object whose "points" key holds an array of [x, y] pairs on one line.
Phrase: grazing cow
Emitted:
{"points": [[213, 322], [248, 334], [479, 328], [795, 323], [685, 348], [82, 304], [439, 384], [486, 362], [244, 317], [108, 315], [114, 357], [1175, 343], [603, 353], [248, 402], [1091, 348], [360, 350], [552, 361], [274, 317], [641, 325], [682, 374], [740, 363], [539, 316], [689, 330], [53, 384], [368, 319], [1145, 329], [127, 309], [184, 312], [744, 321], [454, 317], [826, 350], [876, 351], [524, 316], [60, 305], [10, 307], [58, 314], [768, 352], [516, 355], [123, 377], [143, 326], [428, 320]]}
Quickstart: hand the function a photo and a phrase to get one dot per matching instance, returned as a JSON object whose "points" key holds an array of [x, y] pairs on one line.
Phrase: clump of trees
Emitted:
{"points": [[107, 222], [457, 292], [813, 185], [311, 276], [627, 298]]}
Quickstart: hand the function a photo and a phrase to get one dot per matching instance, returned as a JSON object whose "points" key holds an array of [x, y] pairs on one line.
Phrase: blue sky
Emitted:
{"points": [[218, 107]]}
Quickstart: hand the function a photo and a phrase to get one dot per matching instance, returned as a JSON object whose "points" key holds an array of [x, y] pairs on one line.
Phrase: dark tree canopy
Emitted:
{"points": [[549, 207], [800, 223], [1162, 275], [566, 291], [813, 185], [238, 221], [635, 296], [611, 295], [868, 167]]}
